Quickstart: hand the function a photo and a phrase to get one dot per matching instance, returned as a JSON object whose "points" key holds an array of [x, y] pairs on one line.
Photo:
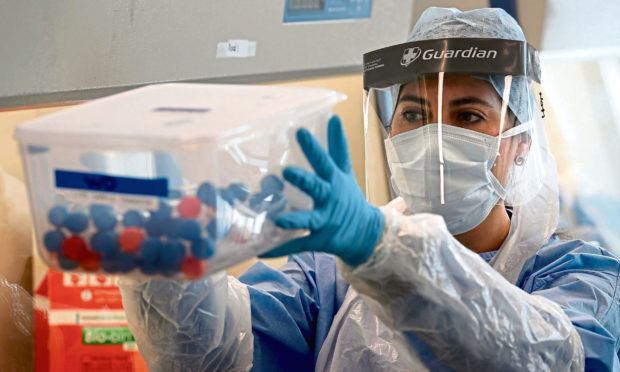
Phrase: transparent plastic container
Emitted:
{"points": [[174, 180]]}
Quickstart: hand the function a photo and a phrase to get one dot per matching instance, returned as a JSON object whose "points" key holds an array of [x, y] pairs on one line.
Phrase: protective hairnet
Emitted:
{"points": [[442, 23], [191, 326]]}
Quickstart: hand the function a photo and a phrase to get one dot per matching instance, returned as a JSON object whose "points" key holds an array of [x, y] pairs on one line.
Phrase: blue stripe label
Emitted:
{"points": [[113, 184], [325, 10]]}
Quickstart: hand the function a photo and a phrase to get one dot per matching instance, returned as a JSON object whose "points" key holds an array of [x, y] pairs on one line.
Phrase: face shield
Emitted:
{"points": [[451, 126]]}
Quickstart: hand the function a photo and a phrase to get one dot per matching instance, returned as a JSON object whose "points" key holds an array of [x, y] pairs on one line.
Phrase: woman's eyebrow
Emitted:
{"points": [[470, 100], [415, 99]]}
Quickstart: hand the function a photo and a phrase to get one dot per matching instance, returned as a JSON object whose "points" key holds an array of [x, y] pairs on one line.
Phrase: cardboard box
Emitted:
{"points": [[80, 325]]}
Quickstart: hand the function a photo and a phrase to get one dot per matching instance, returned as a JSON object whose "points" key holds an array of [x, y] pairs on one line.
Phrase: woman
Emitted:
{"points": [[460, 271]]}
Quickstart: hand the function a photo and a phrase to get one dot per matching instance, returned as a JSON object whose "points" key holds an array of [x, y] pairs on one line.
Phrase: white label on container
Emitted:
{"points": [[116, 200], [236, 49]]}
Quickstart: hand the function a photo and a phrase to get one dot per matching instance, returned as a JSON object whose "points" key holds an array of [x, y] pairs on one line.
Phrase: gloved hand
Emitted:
{"points": [[342, 222]]}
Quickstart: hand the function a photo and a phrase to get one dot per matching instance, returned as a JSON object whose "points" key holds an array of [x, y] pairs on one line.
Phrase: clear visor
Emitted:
{"points": [[454, 144]]}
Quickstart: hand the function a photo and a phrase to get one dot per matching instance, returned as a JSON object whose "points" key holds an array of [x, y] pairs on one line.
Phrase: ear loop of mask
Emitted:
{"points": [[519, 129], [439, 136]]}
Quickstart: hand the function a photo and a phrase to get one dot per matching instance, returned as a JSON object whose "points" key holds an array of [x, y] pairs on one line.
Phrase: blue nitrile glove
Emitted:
{"points": [[342, 222]]}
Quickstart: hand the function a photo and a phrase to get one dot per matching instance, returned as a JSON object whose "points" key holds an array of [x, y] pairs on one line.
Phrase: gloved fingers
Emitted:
{"points": [[337, 144], [291, 247], [298, 220], [309, 183], [316, 155]]}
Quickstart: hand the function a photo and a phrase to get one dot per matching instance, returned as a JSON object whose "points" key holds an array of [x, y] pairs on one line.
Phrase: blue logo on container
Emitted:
{"points": [[105, 183], [113, 184]]}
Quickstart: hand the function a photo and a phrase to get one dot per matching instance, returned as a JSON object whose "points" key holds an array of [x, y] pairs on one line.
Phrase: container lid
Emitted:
{"points": [[174, 114]]}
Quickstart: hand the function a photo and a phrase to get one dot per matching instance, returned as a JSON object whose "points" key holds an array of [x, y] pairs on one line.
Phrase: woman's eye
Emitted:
{"points": [[413, 116], [469, 117]]}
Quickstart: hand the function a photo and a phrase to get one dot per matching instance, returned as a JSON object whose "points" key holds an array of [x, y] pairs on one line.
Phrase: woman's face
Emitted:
{"points": [[467, 103]]}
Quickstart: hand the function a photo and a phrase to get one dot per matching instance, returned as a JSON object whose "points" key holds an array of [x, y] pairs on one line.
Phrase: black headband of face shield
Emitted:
{"points": [[397, 64]]}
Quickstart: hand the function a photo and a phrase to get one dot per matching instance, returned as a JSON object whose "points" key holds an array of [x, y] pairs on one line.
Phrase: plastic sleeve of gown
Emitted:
{"points": [[202, 325], [420, 279]]}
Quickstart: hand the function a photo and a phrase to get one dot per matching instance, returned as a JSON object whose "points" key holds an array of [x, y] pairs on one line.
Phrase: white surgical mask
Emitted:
{"points": [[470, 190]]}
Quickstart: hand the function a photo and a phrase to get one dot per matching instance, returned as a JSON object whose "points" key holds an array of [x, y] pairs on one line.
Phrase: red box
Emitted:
{"points": [[80, 325]]}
